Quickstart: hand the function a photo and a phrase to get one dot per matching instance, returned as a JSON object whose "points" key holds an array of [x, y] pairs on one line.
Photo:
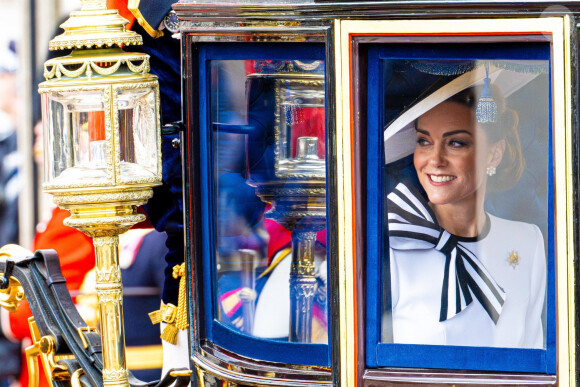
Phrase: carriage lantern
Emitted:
{"points": [[100, 111]]}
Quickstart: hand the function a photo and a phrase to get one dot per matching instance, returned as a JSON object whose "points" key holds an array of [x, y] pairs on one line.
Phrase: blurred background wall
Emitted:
{"points": [[28, 25]]}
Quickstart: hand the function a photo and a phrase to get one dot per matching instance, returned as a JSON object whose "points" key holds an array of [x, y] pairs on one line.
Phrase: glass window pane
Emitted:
{"points": [[466, 150], [268, 126]]}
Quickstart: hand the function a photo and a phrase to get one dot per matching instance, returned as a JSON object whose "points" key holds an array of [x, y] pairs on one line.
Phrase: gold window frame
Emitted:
{"points": [[560, 30]]}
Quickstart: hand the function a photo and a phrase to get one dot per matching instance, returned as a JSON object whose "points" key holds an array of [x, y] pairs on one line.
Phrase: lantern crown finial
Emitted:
{"points": [[94, 26]]}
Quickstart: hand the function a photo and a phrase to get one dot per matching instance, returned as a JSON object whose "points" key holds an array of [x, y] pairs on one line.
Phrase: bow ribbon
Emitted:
{"points": [[413, 225]]}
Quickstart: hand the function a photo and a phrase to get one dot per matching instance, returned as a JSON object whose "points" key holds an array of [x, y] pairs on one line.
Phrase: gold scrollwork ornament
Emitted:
{"points": [[11, 296]]}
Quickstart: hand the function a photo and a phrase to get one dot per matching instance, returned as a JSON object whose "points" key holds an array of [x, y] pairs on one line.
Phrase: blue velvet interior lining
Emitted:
{"points": [[551, 354], [468, 358], [273, 350]]}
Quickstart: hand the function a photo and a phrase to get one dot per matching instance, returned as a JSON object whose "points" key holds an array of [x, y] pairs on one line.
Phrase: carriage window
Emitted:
{"points": [[267, 196], [268, 122], [464, 252], [469, 255]]}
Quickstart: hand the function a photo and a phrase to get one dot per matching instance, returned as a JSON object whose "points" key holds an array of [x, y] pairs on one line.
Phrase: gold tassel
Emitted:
{"points": [[174, 316], [170, 334], [181, 318]]}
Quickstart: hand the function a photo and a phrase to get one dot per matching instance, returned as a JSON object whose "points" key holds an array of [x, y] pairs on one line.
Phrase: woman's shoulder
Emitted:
{"points": [[514, 228]]}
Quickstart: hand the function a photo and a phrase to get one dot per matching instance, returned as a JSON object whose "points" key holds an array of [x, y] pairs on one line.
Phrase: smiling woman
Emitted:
{"points": [[454, 154], [450, 283]]}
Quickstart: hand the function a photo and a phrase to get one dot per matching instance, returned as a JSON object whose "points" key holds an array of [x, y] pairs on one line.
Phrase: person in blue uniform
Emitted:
{"points": [[152, 20]]}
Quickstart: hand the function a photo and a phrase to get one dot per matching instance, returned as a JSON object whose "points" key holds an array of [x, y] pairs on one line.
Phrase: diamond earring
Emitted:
{"points": [[490, 171]]}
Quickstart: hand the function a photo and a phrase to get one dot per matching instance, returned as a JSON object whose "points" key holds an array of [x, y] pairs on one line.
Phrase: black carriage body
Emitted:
{"points": [[252, 69]]}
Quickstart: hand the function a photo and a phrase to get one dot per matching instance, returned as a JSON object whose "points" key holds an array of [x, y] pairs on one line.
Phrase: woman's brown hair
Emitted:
{"points": [[505, 127]]}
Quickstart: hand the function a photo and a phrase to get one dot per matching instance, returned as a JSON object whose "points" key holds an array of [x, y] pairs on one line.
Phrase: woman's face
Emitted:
{"points": [[452, 155]]}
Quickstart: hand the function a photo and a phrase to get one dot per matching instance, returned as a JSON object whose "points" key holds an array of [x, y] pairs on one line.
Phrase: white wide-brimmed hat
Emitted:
{"points": [[399, 135]]}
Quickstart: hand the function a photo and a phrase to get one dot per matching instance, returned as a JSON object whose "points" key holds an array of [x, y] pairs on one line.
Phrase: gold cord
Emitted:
{"points": [[181, 323], [174, 316]]}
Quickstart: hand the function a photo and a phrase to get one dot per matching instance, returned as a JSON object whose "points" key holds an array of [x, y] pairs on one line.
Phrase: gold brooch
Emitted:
{"points": [[514, 259]]}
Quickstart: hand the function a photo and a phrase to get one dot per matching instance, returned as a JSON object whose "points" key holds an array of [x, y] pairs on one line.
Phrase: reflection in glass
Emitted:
{"points": [[300, 125], [137, 117], [79, 153], [466, 185], [268, 128]]}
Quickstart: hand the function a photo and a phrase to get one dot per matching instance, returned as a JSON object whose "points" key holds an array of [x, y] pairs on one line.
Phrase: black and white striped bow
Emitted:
{"points": [[412, 225]]}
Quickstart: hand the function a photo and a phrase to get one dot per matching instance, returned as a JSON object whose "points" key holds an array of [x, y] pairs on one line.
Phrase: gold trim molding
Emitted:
{"points": [[74, 66], [559, 28]]}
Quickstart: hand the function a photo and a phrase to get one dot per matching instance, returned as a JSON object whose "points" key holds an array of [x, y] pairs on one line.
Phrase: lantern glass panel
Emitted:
{"points": [[76, 148], [137, 114]]}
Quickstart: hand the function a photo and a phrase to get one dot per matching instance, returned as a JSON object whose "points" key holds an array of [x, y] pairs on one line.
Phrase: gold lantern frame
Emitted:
{"points": [[104, 207]]}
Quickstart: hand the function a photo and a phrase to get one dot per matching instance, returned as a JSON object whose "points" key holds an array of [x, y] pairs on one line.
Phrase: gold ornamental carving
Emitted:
{"points": [[74, 67], [110, 296], [106, 241], [103, 42], [109, 221], [112, 274], [103, 198], [115, 374], [44, 348], [11, 296]]}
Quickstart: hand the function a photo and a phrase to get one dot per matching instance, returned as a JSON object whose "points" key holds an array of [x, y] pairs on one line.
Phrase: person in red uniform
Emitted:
{"points": [[77, 257]]}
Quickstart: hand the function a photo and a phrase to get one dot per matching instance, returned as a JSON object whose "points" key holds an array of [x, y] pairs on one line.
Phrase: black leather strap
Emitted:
{"points": [[53, 311], [5, 280], [55, 314], [75, 323]]}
